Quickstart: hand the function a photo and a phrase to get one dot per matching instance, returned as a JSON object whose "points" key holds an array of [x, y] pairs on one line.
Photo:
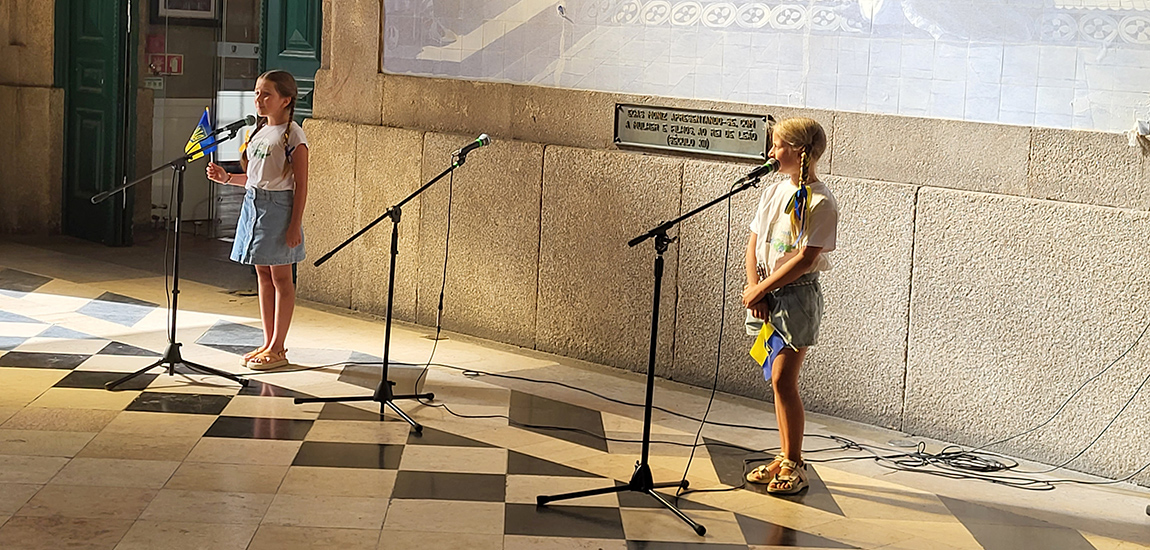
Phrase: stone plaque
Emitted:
{"points": [[687, 131]]}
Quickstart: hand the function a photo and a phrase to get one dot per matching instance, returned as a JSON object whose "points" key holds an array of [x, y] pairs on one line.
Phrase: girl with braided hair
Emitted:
{"points": [[793, 229], [269, 234]]}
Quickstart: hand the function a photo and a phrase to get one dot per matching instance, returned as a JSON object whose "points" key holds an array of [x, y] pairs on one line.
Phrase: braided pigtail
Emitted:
{"points": [[801, 200], [287, 137], [263, 121]]}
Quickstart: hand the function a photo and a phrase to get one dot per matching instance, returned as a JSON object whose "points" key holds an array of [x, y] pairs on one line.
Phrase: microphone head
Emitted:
{"points": [[484, 140], [773, 163], [250, 120]]}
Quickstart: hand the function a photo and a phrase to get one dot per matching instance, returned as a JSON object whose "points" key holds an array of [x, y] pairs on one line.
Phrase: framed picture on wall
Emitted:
{"points": [[185, 12]]}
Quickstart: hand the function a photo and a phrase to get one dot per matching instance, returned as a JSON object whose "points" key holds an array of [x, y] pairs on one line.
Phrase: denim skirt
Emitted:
{"points": [[261, 235], [796, 311]]}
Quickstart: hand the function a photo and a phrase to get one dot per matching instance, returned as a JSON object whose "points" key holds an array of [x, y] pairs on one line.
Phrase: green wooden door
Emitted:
{"points": [[95, 72], [290, 41]]}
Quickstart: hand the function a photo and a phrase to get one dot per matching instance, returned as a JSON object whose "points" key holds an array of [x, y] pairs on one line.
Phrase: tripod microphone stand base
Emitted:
{"points": [[384, 395], [172, 358], [641, 482]]}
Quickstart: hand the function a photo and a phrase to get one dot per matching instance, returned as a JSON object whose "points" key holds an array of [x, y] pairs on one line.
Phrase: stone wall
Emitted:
{"points": [[984, 272], [31, 176]]}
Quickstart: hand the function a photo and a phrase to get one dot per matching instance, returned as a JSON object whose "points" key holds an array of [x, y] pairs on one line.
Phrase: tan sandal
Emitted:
{"points": [[267, 360], [251, 354], [791, 483], [764, 474]]}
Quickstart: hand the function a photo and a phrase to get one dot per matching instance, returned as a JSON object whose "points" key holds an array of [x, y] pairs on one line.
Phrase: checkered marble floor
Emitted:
{"points": [[189, 461]]}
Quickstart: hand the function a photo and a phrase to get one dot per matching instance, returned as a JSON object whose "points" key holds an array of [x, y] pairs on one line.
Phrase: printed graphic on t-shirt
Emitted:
{"points": [[783, 242], [259, 150]]}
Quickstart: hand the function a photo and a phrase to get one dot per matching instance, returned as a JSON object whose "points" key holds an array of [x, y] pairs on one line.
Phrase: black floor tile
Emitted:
{"points": [[635, 499], [521, 464], [432, 436], [761, 533], [339, 411], [259, 428], [96, 380], [117, 308], [532, 410], [662, 545], [563, 521], [349, 455], [1025, 537], [67, 361], [188, 403], [119, 348], [19, 281], [450, 486]]}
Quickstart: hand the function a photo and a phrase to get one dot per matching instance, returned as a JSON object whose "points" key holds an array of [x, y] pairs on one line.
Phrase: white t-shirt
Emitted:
{"points": [[776, 245], [267, 156]]}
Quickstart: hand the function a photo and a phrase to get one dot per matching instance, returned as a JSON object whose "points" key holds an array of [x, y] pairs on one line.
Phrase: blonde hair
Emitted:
{"points": [[807, 134], [286, 86]]}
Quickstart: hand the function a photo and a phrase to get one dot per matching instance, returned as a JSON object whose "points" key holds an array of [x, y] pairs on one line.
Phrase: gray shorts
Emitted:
{"points": [[796, 311]]}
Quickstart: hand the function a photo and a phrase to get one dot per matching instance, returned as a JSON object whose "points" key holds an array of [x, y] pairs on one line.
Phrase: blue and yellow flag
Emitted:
{"points": [[767, 346], [201, 142]]}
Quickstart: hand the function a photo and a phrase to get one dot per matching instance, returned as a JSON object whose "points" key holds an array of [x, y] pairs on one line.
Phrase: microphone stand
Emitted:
{"points": [[384, 393], [172, 355], [642, 481]]}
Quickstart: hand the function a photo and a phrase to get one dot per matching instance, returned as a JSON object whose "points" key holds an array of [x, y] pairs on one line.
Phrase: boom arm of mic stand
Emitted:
{"points": [[663, 227], [101, 197], [391, 212]]}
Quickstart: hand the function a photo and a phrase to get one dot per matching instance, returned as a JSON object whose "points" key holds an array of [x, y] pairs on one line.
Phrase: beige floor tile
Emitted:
{"points": [[466, 517], [54, 533], [271, 407], [327, 511], [29, 469], [227, 478], [1107, 543], [279, 537], [83, 398], [657, 524], [61, 345], [398, 540], [6, 414], [64, 420], [172, 505], [21, 330], [952, 532], [151, 535], [860, 533], [507, 437], [116, 472], [350, 431], [524, 489], [138, 447], [22, 386], [520, 542], [245, 451], [78, 501], [919, 544], [436, 458], [14, 496], [157, 423], [43, 443], [351, 482]]}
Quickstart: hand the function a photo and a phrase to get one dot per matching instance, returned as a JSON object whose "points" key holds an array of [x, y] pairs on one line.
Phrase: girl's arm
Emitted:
{"points": [[217, 174], [299, 171], [795, 267]]}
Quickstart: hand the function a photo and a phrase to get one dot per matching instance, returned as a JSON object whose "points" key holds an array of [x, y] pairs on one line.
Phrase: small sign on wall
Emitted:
{"points": [[154, 82], [166, 64], [688, 131]]}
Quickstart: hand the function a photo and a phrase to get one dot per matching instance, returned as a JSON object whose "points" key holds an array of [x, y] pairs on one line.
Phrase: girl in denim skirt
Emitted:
{"points": [[793, 229], [270, 233]]}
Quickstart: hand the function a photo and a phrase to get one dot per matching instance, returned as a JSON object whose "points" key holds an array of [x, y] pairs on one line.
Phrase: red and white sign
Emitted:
{"points": [[170, 64]]}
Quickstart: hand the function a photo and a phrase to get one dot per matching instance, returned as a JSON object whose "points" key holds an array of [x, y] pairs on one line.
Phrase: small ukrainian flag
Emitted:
{"points": [[767, 346], [202, 141]]}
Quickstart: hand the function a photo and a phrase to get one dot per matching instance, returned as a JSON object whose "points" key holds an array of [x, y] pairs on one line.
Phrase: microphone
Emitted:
{"points": [[772, 165], [246, 121], [482, 140]]}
